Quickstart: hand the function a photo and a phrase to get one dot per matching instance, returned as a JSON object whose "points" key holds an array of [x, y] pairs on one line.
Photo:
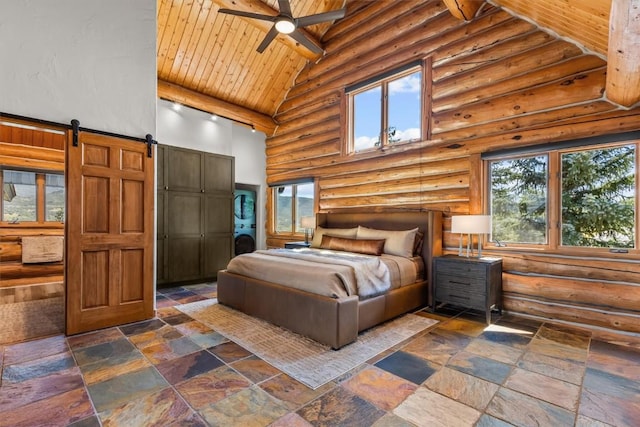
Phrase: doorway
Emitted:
{"points": [[245, 198]]}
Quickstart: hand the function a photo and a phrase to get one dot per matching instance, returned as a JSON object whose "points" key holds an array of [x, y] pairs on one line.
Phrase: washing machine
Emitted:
{"points": [[244, 221]]}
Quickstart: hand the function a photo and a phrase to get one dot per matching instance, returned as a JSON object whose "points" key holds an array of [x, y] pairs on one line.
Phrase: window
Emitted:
{"points": [[29, 197], [575, 197], [386, 110], [292, 202]]}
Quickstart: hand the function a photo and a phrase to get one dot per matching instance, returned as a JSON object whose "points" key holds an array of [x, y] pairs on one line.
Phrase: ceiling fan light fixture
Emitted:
{"points": [[285, 25]]}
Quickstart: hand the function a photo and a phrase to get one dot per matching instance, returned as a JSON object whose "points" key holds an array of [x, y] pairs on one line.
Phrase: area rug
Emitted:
{"points": [[308, 361]]}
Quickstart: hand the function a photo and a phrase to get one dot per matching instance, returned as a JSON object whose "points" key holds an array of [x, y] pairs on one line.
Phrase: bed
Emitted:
{"points": [[330, 316]]}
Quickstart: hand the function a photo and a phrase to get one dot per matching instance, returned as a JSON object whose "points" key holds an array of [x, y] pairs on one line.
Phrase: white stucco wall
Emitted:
{"points": [[91, 60], [194, 129]]}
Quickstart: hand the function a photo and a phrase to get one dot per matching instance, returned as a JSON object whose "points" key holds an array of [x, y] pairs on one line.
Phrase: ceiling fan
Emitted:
{"points": [[285, 23]]}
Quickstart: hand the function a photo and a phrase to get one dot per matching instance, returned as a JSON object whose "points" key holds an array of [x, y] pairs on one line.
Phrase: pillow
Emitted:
{"points": [[399, 243], [418, 243], [339, 232], [361, 246]]}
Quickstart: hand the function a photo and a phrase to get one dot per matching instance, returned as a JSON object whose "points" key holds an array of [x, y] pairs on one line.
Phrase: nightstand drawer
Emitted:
{"points": [[465, 269], [467, 282], [476, 301]]}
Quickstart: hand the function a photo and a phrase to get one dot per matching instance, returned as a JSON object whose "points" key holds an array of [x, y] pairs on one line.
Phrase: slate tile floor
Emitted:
{"points": [[173, 370]]}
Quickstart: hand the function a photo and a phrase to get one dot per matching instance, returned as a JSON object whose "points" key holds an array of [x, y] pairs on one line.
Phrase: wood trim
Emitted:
{"points": [[623, 60]]}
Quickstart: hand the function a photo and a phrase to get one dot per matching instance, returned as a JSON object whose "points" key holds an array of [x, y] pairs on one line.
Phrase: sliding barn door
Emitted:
{"points": [[109, 265]]}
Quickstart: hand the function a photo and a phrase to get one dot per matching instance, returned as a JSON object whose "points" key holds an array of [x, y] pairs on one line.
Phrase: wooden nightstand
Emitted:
{"points": [[296, 245], [474, 283]]}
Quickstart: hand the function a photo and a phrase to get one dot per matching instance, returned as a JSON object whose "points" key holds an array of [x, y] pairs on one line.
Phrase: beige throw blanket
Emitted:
{"points": [[371, 274]]}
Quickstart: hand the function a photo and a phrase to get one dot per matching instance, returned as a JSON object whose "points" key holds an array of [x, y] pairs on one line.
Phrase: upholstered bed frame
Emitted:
{"points": [[337, 321]]}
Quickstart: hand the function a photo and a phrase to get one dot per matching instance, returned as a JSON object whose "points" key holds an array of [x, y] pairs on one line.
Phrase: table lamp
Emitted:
{"points": [[307, 222], [471, 224]]}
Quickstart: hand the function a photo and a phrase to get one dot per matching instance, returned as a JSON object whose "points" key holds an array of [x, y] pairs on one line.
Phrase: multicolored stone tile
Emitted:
{"points": [[557, 349], [15, 395], [407, 366], [615, 359], [562, 369], [392, 420], [90, 339], [428, 408], [464, 388], [291, 392], [437, 346], [554, 391], [37, 368], [583, 421], [620, 396], [205, 389], [32, 350], [164, 302], [60, 409], [164, 407], [500, 352], [91, 421], [506, 335], [467, 327], [249, 407], [111, 367], [489, 421], [185, 367], [140, 327], [340, 407], [522, 410], [384, 390], [178, 319], [255, 369], [574, 337], [230, 352], [171, 349], [87, 355], [119, 390], [155, 337], [208, 339], [190, 328], [291, 420], [481, 367], [167, 312]]}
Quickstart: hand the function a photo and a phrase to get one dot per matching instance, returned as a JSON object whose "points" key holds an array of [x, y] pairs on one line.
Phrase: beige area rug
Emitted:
{"points": [[306, 360]]}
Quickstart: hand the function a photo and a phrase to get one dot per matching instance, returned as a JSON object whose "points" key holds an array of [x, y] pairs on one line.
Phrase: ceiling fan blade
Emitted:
{"points": [[320, 17], [268, 39], [248, 14], [300, 38], [285, 7]]}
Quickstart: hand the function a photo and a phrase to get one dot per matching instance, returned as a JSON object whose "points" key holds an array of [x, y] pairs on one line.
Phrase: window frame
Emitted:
{"points": [[383, 80], [40, 183], [554, 199], [294, 206]]}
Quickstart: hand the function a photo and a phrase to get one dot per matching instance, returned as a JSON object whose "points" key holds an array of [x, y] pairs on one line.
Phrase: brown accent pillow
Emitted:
{"points": [[361, 246], [417, 243]]}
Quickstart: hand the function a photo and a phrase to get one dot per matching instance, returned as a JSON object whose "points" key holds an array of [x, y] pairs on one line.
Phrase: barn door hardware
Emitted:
{"points": [[150, 142], [75, 127]]}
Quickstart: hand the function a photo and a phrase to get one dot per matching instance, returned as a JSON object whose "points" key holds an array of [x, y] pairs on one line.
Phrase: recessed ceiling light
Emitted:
{"points": [[285, 25], [176, 106]]}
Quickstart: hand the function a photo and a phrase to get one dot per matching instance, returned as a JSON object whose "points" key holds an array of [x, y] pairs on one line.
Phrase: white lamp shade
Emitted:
{"points": [[308, 222], [471, 224]]}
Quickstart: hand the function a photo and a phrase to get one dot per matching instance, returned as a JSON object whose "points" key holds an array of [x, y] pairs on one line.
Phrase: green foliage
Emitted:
{"points": [[598, 198]]}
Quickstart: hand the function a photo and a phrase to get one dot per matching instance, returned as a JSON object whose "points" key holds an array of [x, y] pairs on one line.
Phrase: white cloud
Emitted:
{"points": [[408, 84]]}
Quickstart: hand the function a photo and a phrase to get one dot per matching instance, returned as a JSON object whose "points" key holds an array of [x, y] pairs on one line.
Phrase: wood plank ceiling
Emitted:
{"points": [[208, 60]]}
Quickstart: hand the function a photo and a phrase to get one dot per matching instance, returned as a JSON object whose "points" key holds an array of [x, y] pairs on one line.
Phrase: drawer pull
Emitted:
{"points": [[459, 283], [459, 296]]}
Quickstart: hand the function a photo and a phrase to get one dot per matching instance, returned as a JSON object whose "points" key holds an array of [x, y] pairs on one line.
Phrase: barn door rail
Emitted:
{"points": [[75, 129], [148, 139]]}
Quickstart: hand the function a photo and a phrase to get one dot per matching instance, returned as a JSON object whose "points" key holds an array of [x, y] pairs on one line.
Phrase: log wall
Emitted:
{"points": [[31, 295], [496, 82]]}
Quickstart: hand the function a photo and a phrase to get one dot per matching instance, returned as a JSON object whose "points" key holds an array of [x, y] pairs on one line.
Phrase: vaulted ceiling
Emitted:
{"points": [[208, 60]]}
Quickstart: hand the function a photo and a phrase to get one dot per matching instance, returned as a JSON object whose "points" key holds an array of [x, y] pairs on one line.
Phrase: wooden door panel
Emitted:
{"points": [[96, 197], [219, 214], [185, 171], [185, 213], [218, 249], [109, 267], [184, 258], [218, 173], [132, 206]]}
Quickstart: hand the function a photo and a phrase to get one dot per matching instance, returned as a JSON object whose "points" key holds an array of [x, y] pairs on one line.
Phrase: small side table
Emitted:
{"points": [[296, 245], [474, 283]]}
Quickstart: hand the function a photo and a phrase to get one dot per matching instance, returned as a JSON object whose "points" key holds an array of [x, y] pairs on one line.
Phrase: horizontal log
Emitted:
{"points": [[604, 295], [303, 143], [30, 152], [398, 199], [182, 95], [22, 163], [327, 113], [327, 148], [13, 233], [391, 173], [580, 315], [16, 270], [496, 53], [408, 185], [528, 64], [589, 268], [321, 126], [10, 251], [331, 100], [584, 87]]}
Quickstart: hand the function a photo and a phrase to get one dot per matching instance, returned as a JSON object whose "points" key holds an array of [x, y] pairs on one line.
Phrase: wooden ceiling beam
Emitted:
{"points": [[464, 9], [623, 62], [257, 6], [190, 98]]}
